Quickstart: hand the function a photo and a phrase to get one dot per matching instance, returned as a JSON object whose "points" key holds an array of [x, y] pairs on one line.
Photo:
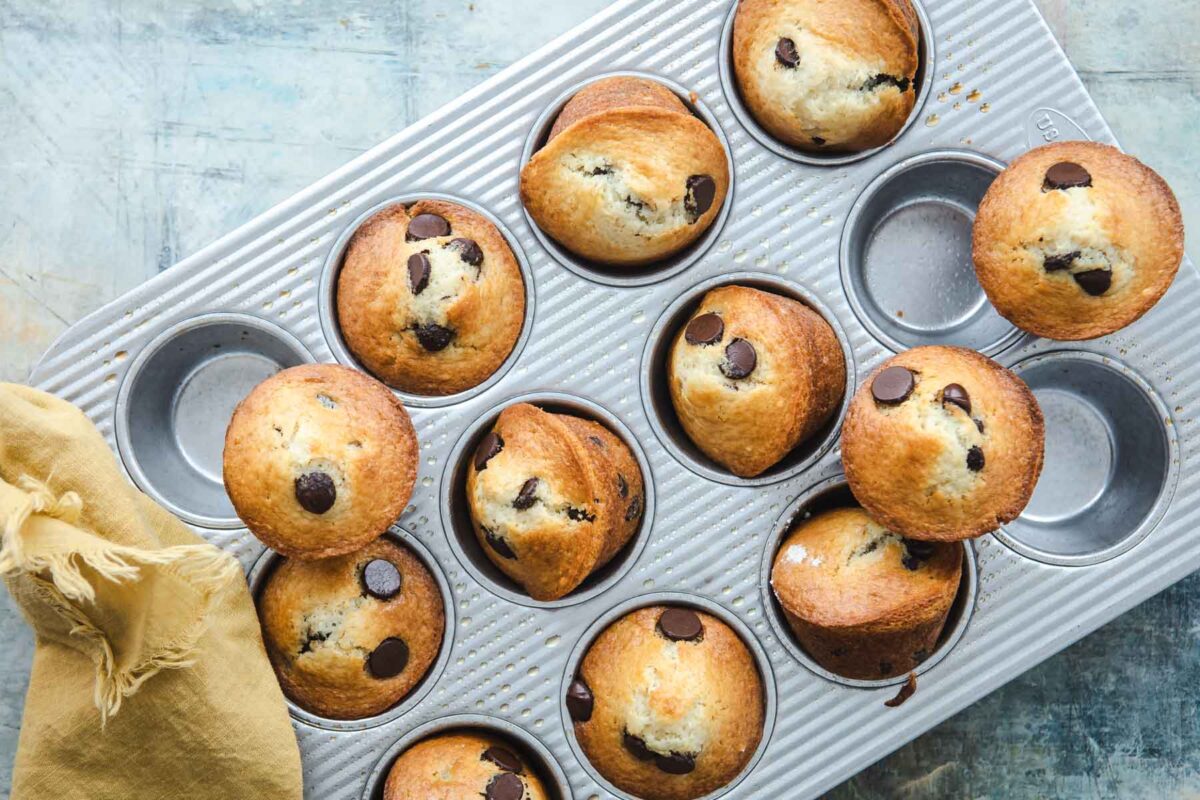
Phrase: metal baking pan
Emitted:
{"points": [[879, 244]]}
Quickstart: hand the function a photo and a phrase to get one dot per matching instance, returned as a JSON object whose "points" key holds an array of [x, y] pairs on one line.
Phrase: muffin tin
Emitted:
{"points": [[160, 369]]}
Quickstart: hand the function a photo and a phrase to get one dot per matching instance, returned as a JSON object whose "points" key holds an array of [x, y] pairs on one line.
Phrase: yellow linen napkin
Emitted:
{"points": [[149, 675]]}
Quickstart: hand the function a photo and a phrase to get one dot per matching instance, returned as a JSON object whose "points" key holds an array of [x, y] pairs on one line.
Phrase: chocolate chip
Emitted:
{"points": [[467, 250], [705, 329], [581, 515], [381, 579], [634, 509], [893, 386], [580, 701], [315, 492], [388, 659], [504, 759], [636, 747], [434, 337], [1060, 262], [740, 360], [676, 763], [418, 272], [979, 424], [701, 191], [876, 81], [622, 486], [487, 449], [955, 394], [1095, 281], [505, 786], [527, 495], [975, 458], [818, 141], [1066, 175], [906, 691], [499, 545], [427, 226], [680, 625], [787, 54]]}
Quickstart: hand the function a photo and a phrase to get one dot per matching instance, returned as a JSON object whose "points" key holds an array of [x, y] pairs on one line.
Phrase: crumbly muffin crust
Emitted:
{"points": [[430, 297], [1076, 240], [350, 636], [943, 444], [319, 460], [753, 374], [463, 766], [628, 176]]}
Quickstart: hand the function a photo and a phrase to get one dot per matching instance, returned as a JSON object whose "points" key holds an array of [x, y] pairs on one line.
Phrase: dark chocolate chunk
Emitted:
{"points": [[315, 492], [487, 449], [875, 81], [1095, 281], [906, 691], [701, 191], [975, 458], [505, 786], [893, 386], [381, 579], [680, 625], [468, 250], [1060, 262], [418, 272], [580, 701], [955, 394], [740, 360], [504, 759], [388, 659], [704, 329], [634, 509], [527, 495], [427, 226], [636, 747], [499, 545], [787, 54], [433, 337], [1066, 175], [676, 763]]}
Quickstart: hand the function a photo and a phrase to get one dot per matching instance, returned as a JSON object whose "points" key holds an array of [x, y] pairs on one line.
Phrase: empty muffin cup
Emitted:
{"points": [[456, 514], [906, 259], [1111, 461], [833, 493], [177, 399]]}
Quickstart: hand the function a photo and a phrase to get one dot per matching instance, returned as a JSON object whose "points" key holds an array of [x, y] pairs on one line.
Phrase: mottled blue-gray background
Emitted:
{"points": [[134, 132]]}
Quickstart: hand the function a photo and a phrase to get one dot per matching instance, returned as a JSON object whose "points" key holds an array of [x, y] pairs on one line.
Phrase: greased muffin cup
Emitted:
{"points": [[351, 636], [319, 460], [943, 444], [463, 765], [752, 375], [430, 298], [552, 498], [628, 176], [1076, 240], [826, 76], [863, 602], [668, 703]]}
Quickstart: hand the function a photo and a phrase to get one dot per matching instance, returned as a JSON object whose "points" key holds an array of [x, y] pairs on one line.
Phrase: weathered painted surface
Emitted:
{"points": [[133, 132]]}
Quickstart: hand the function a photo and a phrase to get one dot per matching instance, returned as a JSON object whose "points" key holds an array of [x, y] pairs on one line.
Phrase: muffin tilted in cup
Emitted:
{"points": [[864, 603], [552, 498], [828, 75], [1077, 240], [752, 375], [628, 175], [943, 444], [319, 460], [430, 297], [462, 766], [351, 636]]}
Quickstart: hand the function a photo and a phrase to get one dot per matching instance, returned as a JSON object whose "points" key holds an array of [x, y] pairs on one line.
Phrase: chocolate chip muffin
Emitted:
{"points": [[1076, 240], [668, 704], [628, 176], [827, 75], [430, 297], [319, 460], [553, 498], [752, 375], [351, 636], [864, 603], [462, 766], [943, 444]]}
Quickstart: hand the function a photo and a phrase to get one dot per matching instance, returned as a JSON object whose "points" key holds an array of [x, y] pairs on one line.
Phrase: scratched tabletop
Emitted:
{"points": [[134, 132]]}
